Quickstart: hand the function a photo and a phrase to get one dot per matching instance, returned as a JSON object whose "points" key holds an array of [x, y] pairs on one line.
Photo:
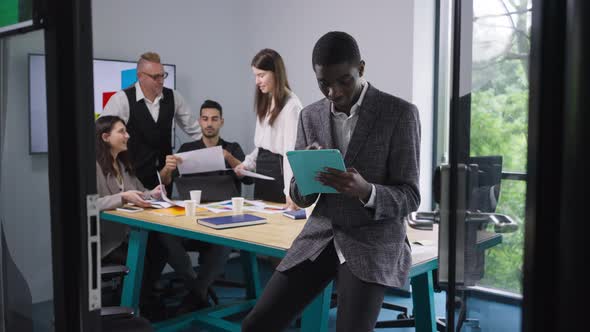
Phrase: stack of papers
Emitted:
{"points": [[268, 209], [175, 211], [166, 203], [225, 206], [253, 206]]}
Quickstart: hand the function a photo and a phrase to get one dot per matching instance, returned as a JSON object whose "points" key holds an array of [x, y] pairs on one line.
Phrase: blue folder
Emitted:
{"points": [[231, 221], [307, 163]]}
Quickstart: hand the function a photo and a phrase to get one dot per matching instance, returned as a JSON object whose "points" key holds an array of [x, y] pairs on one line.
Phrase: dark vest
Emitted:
{"points": [[149, 141]]}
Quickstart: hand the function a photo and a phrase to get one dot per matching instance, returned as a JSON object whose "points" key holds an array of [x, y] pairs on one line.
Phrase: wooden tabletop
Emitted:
{"points": [[279, 232]]}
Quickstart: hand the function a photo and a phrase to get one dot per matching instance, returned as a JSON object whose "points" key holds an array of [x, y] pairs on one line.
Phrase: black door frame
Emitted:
{"points": [[72, 173], [459, 141], [557, 220], [557, 227]]}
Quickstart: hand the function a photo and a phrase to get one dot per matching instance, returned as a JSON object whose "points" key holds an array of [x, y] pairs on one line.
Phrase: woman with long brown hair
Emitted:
{"points": [[277, 112], [116, 183]]}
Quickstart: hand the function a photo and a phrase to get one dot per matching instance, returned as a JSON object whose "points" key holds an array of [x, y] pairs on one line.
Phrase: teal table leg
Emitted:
{"points": [[423, 299], [135, 259], [315, 315], [251, 274]]}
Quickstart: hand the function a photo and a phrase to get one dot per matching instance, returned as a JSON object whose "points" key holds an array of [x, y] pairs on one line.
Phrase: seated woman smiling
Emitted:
{"points": [[116, 184]]}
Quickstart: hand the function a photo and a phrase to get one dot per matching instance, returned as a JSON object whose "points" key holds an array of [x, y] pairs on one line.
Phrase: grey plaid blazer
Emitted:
{"points": [[385, 150]]}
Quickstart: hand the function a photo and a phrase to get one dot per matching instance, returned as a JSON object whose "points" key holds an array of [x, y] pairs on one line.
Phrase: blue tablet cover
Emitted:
{"points": [[232, 221], [307, 163]]}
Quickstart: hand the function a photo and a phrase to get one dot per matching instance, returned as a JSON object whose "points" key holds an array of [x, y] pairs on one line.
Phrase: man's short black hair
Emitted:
{"points": [[211, 104], [335, 47]]}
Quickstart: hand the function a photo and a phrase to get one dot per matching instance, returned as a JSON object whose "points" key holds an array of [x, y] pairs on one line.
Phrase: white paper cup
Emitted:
{"points": [[196, 196], [237, 205], [190, 208]]}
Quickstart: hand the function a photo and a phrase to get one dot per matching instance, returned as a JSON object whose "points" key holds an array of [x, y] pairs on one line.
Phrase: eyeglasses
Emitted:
{"points": [[156, 77]]}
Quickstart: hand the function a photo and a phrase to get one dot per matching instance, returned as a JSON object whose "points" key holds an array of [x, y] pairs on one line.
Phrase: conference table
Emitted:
{"points": [[271, 239]]}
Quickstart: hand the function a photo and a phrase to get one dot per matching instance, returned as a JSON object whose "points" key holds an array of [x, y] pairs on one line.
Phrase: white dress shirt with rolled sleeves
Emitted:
{"points": [[118, 105], [278, 138]]}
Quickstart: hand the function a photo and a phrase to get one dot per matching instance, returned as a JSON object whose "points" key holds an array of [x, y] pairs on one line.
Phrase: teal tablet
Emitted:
{"points": [[307, 163]]}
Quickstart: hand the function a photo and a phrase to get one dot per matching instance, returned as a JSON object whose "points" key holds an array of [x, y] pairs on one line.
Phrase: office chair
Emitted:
{"points": [[118, 318], [172, 286], [214, 187], [483, 180]]}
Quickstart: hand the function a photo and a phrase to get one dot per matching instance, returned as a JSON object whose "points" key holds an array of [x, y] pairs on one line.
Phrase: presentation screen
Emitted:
{"points": [[110, 76]]}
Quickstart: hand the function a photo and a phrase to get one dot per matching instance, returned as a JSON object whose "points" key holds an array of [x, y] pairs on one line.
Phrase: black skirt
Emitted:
{"points": [[270, 164]]}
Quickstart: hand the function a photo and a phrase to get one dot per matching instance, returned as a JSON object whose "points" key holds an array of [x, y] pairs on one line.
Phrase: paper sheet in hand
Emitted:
{"points": [[201, 160], [165, 202], [307, 163], [256, 175]]}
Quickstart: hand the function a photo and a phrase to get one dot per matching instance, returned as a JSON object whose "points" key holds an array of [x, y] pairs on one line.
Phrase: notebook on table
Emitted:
{"points": [[237, 220], [297, 214]]}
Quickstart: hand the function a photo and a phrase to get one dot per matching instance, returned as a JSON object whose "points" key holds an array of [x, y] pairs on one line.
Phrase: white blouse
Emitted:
{"points": [[279, 138]]}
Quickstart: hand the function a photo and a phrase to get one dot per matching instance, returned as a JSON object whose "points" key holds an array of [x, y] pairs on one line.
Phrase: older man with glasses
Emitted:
{"points": [[148, 108]]}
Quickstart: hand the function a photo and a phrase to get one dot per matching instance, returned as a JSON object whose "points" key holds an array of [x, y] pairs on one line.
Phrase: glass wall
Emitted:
{"points": [[499, 120], [27, 285]]}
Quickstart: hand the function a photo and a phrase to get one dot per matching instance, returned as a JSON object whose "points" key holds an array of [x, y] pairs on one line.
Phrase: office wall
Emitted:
{"points": [[24, 188], [382, 28], [212, 43], [423, 90], [204, 39]]}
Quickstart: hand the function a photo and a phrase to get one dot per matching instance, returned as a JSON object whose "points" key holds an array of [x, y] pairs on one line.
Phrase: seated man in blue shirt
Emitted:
{"points": [[212, 258]]}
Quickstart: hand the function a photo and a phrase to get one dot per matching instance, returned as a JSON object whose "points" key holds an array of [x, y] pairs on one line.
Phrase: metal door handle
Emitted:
{"points": [[502, 223], [422, 220]]}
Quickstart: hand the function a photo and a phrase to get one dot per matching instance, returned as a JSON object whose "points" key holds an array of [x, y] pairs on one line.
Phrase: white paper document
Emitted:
{"points": [[201, 160], [266, 208], [165, 202], [256, 175], [226, 206], [160, 204]]}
